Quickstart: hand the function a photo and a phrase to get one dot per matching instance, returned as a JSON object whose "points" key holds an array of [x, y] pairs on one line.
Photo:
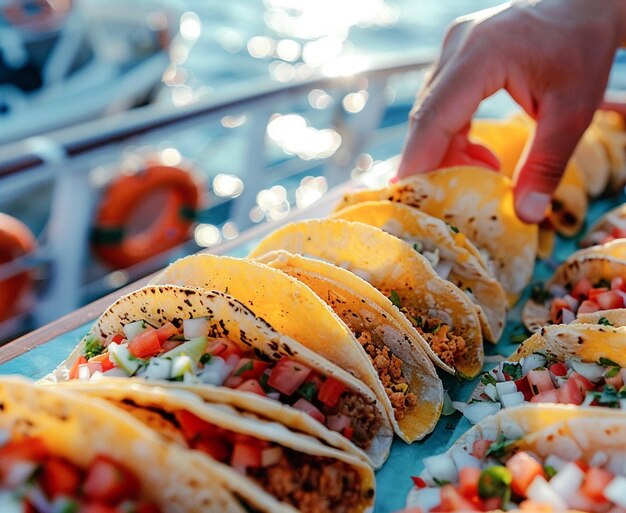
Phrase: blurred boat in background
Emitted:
{"points": [[68, 61]]}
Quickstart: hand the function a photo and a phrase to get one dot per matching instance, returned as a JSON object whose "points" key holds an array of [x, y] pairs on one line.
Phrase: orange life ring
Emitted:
{"points": [[36, 14], [15, 240], [144, 214]]}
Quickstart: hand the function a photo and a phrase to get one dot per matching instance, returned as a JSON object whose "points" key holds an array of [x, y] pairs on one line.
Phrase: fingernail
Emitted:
{"points": [[532, 206]]}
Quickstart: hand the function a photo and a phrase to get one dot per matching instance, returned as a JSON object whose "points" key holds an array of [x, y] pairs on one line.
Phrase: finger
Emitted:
{"points": [[559, 128], [444, 110], [463, 152]]}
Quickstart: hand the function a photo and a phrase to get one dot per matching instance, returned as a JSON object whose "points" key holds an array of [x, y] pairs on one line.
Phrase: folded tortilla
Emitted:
{"points": [[610, 226], [439, 312], [79, 429], [227, 318], [479, 203], [271, 468], [406, 372], [453, 256]]}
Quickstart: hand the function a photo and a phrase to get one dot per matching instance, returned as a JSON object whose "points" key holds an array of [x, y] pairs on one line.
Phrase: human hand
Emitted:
{"points": [[552, 56]]}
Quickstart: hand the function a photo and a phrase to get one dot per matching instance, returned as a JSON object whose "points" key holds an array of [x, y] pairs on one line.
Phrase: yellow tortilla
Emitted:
{"points": [[350, 297], [389, 264], [78, 429], [431, 233], [615, 218], [480, 204], [612, 134]]}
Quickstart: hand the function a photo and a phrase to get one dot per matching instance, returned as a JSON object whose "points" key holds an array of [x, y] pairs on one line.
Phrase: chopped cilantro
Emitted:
{"points": [[607, 362], [603, 284], [395, 299], [69, 507], [550, 471], [205, 358], [418, 321], [435, 328], [538, 293], [93, 347], [417, 246], [612, 372], [245, 367], [513, 369], [488, 379], [608, 396], [454, 228], [500, 447], [495, 482], [263, 381], [307, 390], [441, 482], [469, 289], [518, 338], [604, 321]]}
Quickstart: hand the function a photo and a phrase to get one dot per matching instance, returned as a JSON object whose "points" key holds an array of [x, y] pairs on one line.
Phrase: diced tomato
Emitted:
{"points": [[549, 396], [491, 504], [452, 500], [556, 307], [190, 424], [618, 233], [145, 345], [418, 482], [524, 468], [338, 422], [170, 344], [582, 288], [583, 383], [167, 331], [596, 480], [348, 432], [609, 300], [59, 477], [96, 507], [224, 348], [596, 291], [523, 386], [27, 449], [615, 381], [588, 306], [110, 482], [582, 464], [558, 369], [81, 360], [233, 381], [249, 368], [118, 339], [468, 481], [540, 380], [287, 375], [570, 392], [480, 448], [331, 391], [147, 508], [245, 455], [618, 283], [305, 406], [252, 386], [218, 448], [104, 360]]}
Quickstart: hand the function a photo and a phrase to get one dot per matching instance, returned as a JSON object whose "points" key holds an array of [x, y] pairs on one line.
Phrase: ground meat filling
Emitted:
{"points": [[366, 418], [389, 369], [311, 484], [439, 336]]}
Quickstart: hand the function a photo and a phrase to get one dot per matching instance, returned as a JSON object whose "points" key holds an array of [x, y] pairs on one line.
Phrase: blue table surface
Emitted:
{"points": [[393, 480]]}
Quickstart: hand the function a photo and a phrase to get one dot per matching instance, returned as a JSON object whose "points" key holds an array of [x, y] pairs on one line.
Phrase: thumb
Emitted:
{"points": [[556, 136]]}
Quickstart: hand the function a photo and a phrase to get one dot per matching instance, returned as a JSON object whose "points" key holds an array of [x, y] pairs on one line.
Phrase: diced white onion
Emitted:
{"points": [[616, 491], [592, 371], [115, 372], [568, 316], [512, 400], [83, 372], [181, 365], [540, 491], [552, 460], [432, 257], [476, 412], [441, 467], [158, 368], [423, 498], [215, 371], [617, 462], [270, 456], [273, 395], [19, 473], [557, 290], [459, 406], [599, 459], [132, 329], [191, 379], [572, 302], [443, 268], [194, 328], [567, 480], [533, 361], [491, 391], [506, 387], [462, 459], [511, 429]]}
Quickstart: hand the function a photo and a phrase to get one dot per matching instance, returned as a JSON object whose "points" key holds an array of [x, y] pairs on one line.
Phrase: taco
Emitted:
{"points": [[451, 254], [591, 280], [204, 338], [532, 458], [268, 466], [612, 134], [580, 364], [609, 227], [65, 452], [409, 377], [480, 204], [437, 311]]}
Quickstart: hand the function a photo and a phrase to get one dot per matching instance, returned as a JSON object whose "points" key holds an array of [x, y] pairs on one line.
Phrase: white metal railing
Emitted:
{"points": [[64, 164]]}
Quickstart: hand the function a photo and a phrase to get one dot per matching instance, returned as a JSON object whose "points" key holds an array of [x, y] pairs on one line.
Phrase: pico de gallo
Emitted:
{"points": [[498, 475], [187, 354], [34, 480], [584, 296], [541, 378], [438, 333], [312, 484], [615, 228]]}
